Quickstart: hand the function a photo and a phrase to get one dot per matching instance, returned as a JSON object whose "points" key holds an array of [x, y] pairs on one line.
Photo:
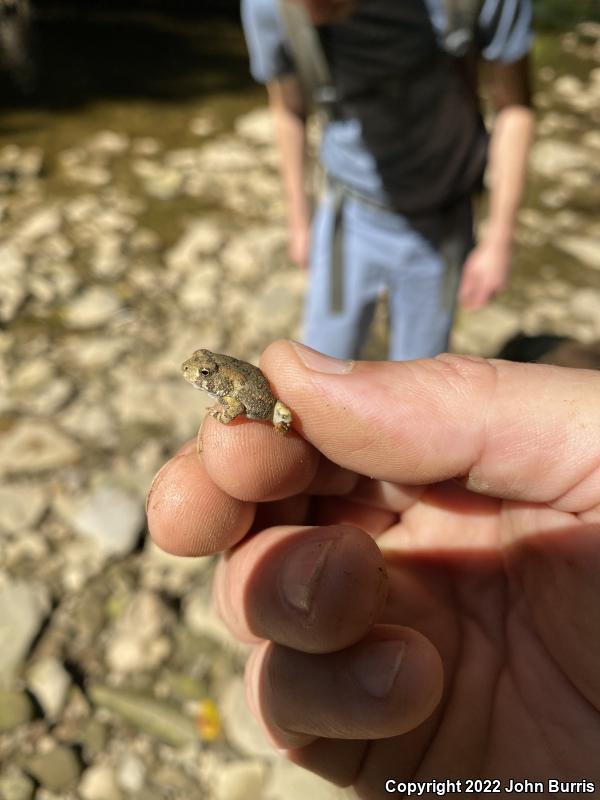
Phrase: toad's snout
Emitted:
{"points": [[190, 371]]}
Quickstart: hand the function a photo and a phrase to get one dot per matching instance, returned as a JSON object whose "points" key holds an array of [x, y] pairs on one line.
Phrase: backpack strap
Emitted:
{"points": [[461, 25], [308, 54]]}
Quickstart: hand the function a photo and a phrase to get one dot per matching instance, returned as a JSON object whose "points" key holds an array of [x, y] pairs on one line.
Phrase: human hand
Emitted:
{"points": [[480, 483], [485, 273]]}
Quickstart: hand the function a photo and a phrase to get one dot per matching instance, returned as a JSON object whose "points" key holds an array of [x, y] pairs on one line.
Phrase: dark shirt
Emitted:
{"points": [[407, 130]]}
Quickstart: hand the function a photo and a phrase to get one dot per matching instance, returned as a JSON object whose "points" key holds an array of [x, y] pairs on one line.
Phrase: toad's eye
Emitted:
{"points": [[205, 371]]}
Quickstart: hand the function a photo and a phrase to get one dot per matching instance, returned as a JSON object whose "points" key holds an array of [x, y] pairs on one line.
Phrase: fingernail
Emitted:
{"points": [[319, 362], [300, 574], [377, 665]]}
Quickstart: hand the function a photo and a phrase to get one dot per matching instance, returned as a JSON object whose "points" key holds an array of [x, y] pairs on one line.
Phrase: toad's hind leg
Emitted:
{"points": [[228, 409], [282, 417]]}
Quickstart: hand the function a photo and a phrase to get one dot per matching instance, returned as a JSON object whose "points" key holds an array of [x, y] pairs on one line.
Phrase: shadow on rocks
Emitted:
{"points": [[561, 351]]}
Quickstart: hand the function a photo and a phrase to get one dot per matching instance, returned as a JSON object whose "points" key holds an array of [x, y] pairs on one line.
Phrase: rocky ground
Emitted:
{"points": [[116, 679]]}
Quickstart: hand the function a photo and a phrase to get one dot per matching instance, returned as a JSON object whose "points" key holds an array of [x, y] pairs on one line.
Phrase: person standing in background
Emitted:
{"points": [[404, 149]]}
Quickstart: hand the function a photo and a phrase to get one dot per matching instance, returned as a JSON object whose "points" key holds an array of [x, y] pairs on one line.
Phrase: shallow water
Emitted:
{"points": [[138, 74]]}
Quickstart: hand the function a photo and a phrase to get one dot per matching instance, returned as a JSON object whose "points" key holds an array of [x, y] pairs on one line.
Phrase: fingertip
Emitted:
{"points": [[189, 515]]}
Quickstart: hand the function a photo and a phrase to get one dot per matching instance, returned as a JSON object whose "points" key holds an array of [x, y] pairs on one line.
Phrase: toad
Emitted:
{"points": [[241, 388]]}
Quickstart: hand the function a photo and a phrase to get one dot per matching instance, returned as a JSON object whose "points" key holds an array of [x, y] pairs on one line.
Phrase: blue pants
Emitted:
{"points": [[417, 263]]}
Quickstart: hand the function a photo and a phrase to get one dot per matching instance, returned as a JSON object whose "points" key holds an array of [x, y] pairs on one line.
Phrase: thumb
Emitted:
{"points": [[522, 431]]}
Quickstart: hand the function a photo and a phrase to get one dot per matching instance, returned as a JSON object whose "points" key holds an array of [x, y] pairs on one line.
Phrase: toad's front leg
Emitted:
{"points": [[228, 409]]}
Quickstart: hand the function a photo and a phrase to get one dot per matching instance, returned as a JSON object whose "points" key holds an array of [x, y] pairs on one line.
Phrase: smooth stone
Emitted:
{"points": [[292, 782], [56, 247], [82, 208], [108, 143], [82, 559], [35, 379], [484, 332], [22, 505], [41, 223], [197, 296], [49, 682], [15, 785], [57, 770], [108, 515], [145, 168], [146, 146], [249, 255], [201, 184], [202, 126], [181, 566], [227, 154], [164, 184], [71, 157], [170, 405], [93, 352], [241, 728], [154, 717], [278, 304], [15, 709], [136, 642], [584, 304], [99, 783], [89, 174], [23, 608], [184, 159], [585, 249], [550, 157], [50, 398], [591, 139], [29, 546], [111, 220], [61, 277], [202, 619], [12, 299], [256, 126], [107, 260], [201, 239], [131, 773], [557, 197], [568, 86], [90, 422], [12, 261], [589, 30], [94, 738], [21, 162], [143, 240], [35, 446], [174, 781], [240, 780], [94, 307]]}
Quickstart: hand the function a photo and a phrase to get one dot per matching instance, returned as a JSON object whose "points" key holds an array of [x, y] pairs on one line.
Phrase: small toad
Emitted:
{"points": [[241, 388]]}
